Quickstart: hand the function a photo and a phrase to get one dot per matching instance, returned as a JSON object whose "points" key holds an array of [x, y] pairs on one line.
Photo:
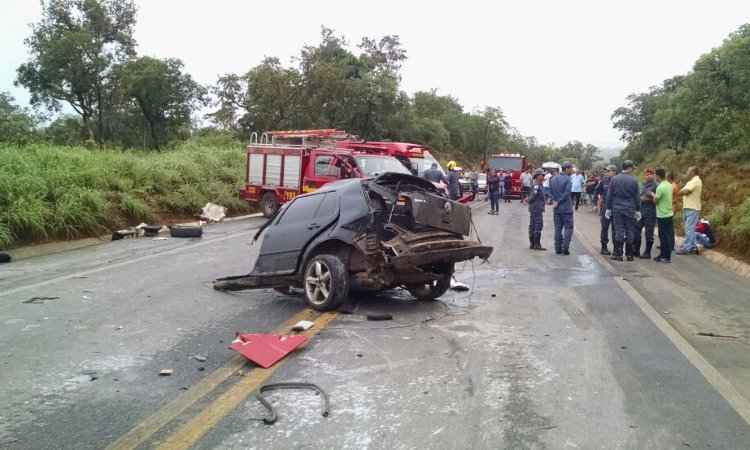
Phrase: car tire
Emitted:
{"points": [[269, 204], [431, 291], [326, 282], [186, 231]]}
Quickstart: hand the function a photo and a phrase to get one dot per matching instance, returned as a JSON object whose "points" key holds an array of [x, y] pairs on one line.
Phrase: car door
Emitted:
{"points": [[302, 220]]}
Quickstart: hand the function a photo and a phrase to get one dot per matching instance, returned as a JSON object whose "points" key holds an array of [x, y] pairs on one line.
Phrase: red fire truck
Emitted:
{"points": [[284, 164], [513, 163]]}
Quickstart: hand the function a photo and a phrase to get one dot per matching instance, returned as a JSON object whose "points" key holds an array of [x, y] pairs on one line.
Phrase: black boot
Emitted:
{"points": [[539, 243], [605, 251], [532, 242], [617, 251]]}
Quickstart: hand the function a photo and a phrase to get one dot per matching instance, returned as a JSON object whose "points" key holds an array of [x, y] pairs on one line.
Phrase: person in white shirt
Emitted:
{"points": [[576, 187]]}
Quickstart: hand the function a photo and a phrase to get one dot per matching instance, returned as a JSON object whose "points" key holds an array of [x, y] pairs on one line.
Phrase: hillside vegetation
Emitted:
{"points": [[56, 192]]}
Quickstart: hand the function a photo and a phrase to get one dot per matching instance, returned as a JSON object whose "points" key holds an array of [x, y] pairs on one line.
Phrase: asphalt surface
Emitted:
{"points": [[543, 351]]}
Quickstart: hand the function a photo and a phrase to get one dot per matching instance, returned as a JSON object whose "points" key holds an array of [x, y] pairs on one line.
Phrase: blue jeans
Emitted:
{"points": [[703, 240], [690, 220]]}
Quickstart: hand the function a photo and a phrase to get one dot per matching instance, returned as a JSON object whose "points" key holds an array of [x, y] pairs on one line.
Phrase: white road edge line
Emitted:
{"points": [[125, 263], [736, 400]]}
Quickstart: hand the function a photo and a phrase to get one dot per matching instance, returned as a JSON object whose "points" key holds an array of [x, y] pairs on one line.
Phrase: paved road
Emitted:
{"points": [[544, 351]]}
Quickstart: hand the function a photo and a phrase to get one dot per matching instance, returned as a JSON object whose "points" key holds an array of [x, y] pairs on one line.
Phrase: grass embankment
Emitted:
{"points": [[726, 196], [49, 192]]}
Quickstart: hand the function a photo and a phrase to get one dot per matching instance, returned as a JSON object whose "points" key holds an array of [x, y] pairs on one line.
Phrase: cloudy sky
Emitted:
{"points": [[557, 68]]}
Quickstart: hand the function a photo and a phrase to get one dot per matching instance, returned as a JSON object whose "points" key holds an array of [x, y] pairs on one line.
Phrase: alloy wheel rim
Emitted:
{"points": [[318, 283]]}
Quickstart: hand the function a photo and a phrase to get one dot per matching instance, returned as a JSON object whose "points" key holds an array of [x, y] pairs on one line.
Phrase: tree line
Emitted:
{"points": [[706, 111], [83, 58]]}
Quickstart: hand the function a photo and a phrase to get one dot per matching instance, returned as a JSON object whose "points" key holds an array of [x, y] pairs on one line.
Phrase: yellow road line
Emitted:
{"points": [[188, 434], [723, 386], [145, 429]]}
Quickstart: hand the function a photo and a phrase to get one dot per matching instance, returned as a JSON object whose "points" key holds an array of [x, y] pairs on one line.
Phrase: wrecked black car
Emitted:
{"points": [[391, 231]]}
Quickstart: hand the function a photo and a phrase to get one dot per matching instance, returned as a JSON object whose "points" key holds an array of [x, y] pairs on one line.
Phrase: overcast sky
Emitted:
{"points": [[557, 68]]}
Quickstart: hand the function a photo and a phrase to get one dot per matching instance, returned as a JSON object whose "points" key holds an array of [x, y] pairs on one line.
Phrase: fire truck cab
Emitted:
{"points": [[510, 162]]}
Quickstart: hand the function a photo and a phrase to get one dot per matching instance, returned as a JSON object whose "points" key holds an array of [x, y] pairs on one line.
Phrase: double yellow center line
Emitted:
{"points": [[189, 433]]}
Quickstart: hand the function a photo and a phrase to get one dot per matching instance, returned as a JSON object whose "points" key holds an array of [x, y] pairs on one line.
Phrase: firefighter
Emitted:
{"points": [[600, 193], [560, 186], [536, 201], [623, 207], [454, 186], [648, 216]]}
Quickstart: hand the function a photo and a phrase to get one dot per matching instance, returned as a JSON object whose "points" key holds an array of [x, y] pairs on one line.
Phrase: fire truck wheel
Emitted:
{"points": [[326, 282], [430, 291], [269, 204]]}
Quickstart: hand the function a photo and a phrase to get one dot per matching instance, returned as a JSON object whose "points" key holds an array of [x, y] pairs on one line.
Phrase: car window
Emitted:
{"points": [[324, 168], [329, 206], [301, 209]]}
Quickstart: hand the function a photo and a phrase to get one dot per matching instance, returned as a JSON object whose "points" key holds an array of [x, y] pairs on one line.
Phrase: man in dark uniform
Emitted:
{"points": [[493, 191], [434, 174], [648, 216], [536, 202], [454, 186], [560, 187], [623, 207], [600, 194]]}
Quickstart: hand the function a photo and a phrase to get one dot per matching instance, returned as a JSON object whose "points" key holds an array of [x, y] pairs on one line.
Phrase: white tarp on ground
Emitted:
{"points": [[213, 212]]}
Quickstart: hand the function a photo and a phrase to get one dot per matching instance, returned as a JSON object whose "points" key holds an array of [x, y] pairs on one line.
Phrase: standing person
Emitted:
{"points": [[591, 183], [563, 209], [648, 216], [536, 203], [545, 185], [576, 187], [493, 189], [508, 188], [526, 182], [623, 206], [691, 210], [664, 214], [454, 186], [601, 193], [434, 174]]}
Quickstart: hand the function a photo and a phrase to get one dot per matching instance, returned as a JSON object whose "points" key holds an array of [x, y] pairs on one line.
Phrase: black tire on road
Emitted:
{"points": [[431, 291], [269, 204], [185, 231], [326, 282]]}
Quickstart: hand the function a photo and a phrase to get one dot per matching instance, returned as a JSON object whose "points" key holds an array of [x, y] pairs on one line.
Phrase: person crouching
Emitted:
{"points": [[536, 200]]}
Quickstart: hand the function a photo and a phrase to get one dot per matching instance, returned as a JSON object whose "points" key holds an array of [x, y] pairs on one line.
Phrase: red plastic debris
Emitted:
{"points": [[266, 350]]}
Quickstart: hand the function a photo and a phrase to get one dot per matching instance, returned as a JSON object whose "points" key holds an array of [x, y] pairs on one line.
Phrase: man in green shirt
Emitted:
{"points": [[664, 213]]}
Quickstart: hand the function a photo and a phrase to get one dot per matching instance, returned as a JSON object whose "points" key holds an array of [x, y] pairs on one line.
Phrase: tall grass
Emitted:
{"points": [[50, 192]]}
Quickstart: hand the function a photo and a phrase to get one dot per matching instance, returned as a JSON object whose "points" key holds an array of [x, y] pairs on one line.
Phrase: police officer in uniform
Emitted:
{"points": [[623, 207], [648, 216], [560, 188], [536, 201], [600, 193]]}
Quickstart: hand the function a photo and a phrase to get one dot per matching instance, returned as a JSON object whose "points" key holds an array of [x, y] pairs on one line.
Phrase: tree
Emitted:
{"points": [[165, 95], [17, 125], [73, 49]]}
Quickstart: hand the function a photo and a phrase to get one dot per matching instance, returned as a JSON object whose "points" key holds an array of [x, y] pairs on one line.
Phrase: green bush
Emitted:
{"points": [[54, 192]]}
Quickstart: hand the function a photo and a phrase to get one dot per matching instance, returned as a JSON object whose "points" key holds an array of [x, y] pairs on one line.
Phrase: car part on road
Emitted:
{"points": [[151, 230], [303, 325], [431, 290], [166, 372], [709, 334], [284, 386], [266, 350], [379, 317], [4, 258], [39, 300], [186, 231]]}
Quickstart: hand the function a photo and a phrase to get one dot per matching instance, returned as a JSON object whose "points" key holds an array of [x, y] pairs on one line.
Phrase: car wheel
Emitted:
{"points": [[326, 282], [269, 204], [432, 290]]}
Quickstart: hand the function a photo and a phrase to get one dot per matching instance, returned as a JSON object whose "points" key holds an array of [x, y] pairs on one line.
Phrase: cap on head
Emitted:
{"points": [[567, 165], [627, 164]]}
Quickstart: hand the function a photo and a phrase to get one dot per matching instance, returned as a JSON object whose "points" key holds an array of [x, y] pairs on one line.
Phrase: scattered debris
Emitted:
{"points": [[160, 239], [4, 258], [122, 234], [200, 358], [186, 231], [213, 212], [709, 334], [166, 372], [266, 349], [151, 230], [39, 300], [303, 325], [347, 308], [493, 296], [359, 355], [379, 317], [201, 369], [624, 347], [119, 327], [279, 386], [458, 286]]}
